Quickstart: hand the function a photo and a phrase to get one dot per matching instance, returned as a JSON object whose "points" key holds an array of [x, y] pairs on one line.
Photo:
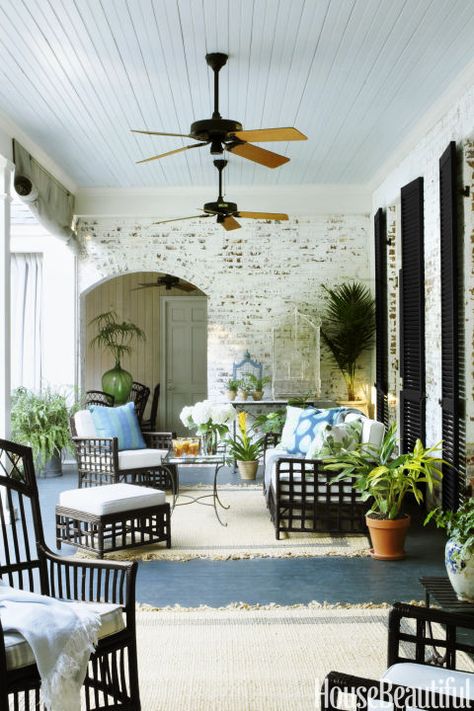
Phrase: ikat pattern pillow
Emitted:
{"points": [[331, 440]]}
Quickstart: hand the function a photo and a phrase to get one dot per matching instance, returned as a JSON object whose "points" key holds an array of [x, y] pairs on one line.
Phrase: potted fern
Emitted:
{"points": [[41, 421], [258, 385], [116, 336], [244, 449], [348, 328]]}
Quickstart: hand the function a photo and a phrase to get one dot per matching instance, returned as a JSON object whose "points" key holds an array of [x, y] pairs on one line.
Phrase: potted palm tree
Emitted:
{"points": [[244, 449], [116, 337], [385, 480], [348, 328], [41, 421]]}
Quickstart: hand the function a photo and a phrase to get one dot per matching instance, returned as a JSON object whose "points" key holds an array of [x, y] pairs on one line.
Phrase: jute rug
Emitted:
{"points": [[196, 533], [269, 659]]}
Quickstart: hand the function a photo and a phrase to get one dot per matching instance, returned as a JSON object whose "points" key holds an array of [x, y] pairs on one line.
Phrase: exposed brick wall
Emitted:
{"points": [[253, 278], [423, 160]]}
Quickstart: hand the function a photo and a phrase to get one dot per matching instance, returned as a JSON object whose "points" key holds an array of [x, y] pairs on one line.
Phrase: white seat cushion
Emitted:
{"points": [[139, 458], [271, 457], [111, 498], [84, 424], [424, 676], [19, 653]]}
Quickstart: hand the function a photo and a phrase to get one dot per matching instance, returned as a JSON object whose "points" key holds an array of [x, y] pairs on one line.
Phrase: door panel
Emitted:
{"points": [[183, 357]]}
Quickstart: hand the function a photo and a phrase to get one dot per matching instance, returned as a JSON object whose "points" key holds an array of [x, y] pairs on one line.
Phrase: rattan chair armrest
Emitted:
{"points": [[91, 580], [430, 614]]}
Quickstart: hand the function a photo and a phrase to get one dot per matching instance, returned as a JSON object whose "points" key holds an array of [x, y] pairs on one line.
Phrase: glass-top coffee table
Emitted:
{"points": [[216, 460]]}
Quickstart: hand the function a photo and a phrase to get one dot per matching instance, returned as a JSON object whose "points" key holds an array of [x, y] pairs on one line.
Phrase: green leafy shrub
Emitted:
{"points": [[41, 421]]}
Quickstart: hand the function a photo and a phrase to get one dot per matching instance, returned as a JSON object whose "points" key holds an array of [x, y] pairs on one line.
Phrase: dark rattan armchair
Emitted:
{"points": [[150, 424], [139, 394], [25, 562], [99, 460], [98, 397], [418, 636]]}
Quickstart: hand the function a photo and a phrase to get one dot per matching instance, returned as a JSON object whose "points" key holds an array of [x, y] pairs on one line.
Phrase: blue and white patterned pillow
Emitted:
{"points": [[288, 433], [121, 422], [310, 422], [333, 439]]}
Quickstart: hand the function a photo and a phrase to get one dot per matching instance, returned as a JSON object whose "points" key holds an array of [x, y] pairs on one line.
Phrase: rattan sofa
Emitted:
{"points": [[303, 497], [429, 651], [25, 562]]}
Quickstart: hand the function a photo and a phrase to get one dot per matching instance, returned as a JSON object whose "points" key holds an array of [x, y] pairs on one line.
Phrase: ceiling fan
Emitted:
{"points": [[226, 134], [169, 282], [226, 212]]}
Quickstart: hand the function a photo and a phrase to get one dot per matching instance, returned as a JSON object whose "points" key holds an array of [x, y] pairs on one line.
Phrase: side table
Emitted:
{"points": [[217, 460], [442, 591]]}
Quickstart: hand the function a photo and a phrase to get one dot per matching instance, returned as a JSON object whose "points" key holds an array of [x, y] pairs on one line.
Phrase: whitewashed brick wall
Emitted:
{"points": [[423, 160], [253, 277]]}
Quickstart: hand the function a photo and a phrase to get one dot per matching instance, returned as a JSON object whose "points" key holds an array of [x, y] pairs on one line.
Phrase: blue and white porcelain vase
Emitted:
{"points": [[460, 571]]}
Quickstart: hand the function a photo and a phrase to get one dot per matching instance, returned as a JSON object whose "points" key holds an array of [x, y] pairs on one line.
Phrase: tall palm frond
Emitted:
{"points": [[348, 327]]}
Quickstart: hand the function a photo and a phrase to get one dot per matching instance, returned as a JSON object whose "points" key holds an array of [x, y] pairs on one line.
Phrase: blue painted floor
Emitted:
{"points": [[267, 580]]}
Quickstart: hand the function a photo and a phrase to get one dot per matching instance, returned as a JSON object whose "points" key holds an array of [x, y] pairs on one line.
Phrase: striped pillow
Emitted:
{"points": [[119, 422]]}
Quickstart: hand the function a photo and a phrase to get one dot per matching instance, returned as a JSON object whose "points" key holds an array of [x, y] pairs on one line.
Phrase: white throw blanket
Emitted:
{"points": [[61, 635]]}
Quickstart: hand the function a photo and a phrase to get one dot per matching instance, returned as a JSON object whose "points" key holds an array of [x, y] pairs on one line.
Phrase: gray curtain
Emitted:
{"points": [[26, 312], [46, 197]]}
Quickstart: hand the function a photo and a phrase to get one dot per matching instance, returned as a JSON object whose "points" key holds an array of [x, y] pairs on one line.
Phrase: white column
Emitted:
{"points": [[6, 172]]}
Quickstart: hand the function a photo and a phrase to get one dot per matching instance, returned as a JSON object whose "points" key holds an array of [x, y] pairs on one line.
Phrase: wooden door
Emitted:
{"points": [[183, 357], [412, 317]]}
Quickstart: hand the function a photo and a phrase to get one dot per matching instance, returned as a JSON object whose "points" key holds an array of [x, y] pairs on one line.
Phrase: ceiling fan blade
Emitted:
{"points": [[257, 154], [263, 215], [160, 133], [228, 223], [170, 153], [144, 286], [177, 219], [258, 135], [185, 287]]}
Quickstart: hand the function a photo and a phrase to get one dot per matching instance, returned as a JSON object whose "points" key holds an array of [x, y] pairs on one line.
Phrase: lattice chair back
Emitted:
{"points": [[98, 397], [21, 528], [139, 394]]}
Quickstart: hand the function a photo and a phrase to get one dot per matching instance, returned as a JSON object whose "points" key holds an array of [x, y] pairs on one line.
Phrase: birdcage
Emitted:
{"points": [[296, 357]]}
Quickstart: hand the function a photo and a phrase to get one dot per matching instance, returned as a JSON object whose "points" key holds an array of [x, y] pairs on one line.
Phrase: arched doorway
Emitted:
{"points": [[173, 314]]}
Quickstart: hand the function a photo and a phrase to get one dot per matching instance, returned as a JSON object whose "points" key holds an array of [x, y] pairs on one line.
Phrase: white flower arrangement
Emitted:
{"points": [[205, 416]]}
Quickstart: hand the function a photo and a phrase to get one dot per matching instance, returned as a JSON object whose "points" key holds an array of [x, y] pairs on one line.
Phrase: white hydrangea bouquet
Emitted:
{"points": [[210, 420]]}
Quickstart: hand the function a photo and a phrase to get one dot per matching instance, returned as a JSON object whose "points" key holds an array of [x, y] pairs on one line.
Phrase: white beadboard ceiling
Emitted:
{"points": [[354, 75]]}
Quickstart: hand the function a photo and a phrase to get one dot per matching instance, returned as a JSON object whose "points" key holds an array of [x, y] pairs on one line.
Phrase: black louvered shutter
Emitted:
{"points": [[449, 327], [381, 320], [412, 317]]}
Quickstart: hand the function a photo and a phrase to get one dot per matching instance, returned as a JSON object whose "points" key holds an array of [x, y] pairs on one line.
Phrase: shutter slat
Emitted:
{"points": [[381, 317], [412, 317]]}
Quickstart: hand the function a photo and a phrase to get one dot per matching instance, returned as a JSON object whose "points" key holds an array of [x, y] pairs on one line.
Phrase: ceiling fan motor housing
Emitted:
{"points": [[221, 207], [214, 129]]}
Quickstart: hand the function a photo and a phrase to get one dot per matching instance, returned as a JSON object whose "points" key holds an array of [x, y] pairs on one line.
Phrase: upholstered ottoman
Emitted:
{"points": [[112, 517]]}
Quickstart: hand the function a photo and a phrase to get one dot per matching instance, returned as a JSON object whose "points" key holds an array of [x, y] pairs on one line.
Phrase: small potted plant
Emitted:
{"points": [[116, 337], [244, 387], [41, 421], [244, 449], [257, 385], [459, 551], [385, 479], [232, 386]]}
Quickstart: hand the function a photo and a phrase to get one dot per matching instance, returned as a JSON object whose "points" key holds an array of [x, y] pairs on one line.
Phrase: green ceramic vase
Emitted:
{"points": [[117, 382]]}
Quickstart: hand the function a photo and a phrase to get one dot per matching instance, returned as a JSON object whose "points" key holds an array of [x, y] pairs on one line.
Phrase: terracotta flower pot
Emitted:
{"points": [[247, 470], [388, 537], [231, 394], [257, 394]]}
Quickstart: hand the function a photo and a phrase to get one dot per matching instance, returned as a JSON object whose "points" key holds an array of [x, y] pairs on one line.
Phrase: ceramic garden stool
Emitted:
{"points": [[112, 517]]}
